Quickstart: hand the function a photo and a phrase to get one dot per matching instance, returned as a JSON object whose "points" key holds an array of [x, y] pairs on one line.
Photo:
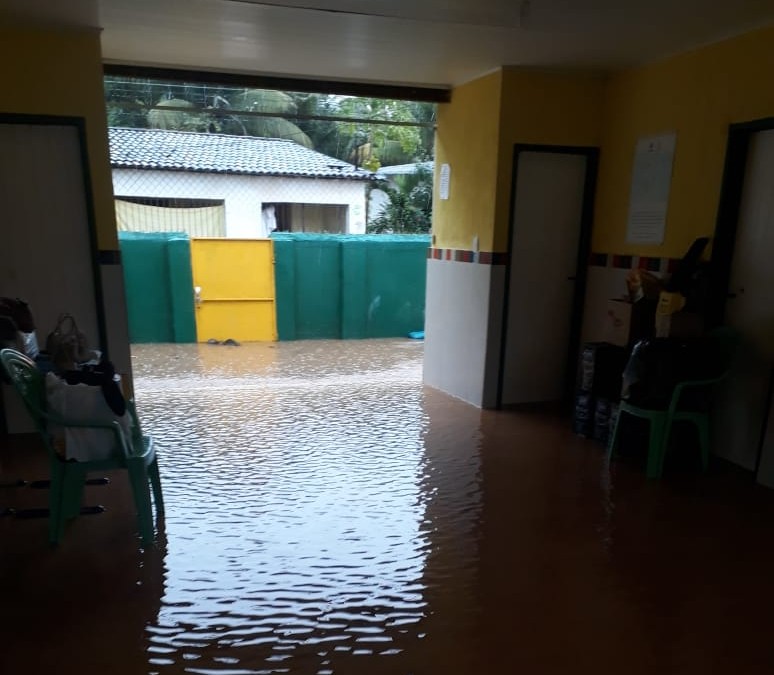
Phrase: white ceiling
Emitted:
{"points": [[437, 43]]}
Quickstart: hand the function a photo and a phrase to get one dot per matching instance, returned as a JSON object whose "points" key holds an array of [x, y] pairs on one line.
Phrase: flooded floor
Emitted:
{"points": [[326, 513]]}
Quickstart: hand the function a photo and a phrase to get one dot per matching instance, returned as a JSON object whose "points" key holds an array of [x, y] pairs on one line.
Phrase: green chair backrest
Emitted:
{"points": [[29, 382]]}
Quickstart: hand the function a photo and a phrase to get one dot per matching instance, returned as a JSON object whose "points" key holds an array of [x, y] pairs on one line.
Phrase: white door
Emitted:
{"points": [[543, 264], [741, 406], [46, 257]]}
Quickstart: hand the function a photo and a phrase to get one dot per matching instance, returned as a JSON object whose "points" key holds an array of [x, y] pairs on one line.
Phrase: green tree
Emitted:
{"points": [[311, 119], [385, 144], [161, 117], [267, 101], [409, 207]]}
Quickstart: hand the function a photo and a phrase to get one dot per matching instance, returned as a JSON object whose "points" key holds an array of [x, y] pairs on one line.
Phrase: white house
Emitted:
{"points": [[231, 186]]}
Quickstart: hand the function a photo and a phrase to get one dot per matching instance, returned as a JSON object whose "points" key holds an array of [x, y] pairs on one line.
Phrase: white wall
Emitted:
{"points": [[245, 195], [461, 339]]}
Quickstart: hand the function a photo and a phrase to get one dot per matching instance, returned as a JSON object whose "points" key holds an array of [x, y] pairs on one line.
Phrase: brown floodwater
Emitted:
{"points": [[328, 514]]}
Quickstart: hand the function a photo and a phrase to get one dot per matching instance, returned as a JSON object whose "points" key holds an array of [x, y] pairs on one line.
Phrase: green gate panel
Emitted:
{"points": [[159, 286], [318, 287], [355, 295], [396, 282], [349, 286], [285, 285], [181, 290]]}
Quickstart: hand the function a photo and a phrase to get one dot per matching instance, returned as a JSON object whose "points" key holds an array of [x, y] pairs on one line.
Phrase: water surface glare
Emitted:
{"points": [[297, 490]]}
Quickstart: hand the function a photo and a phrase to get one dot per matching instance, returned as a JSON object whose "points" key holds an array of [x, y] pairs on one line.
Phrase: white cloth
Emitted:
{"points": [[84, 403]]}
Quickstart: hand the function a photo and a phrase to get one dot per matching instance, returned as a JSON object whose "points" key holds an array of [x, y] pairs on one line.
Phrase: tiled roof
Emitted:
{"points": [[216, 153]]}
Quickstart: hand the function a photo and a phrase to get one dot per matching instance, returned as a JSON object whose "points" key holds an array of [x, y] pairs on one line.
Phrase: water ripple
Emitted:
{"points": [[297, 489]]}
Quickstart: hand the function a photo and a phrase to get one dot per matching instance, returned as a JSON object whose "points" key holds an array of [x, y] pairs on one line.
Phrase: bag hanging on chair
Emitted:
{"points": [[84, 403], [66, 345]]}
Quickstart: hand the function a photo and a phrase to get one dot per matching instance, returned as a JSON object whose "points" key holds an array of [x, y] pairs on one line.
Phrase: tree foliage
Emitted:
{"points": [[409, 207], [365, 137]]}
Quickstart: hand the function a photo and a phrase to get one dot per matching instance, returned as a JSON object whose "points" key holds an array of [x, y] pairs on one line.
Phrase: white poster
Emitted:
{"points": [[445, 179], [649, 197]]}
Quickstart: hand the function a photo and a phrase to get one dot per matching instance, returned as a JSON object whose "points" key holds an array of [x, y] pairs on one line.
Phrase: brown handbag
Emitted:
{"points": [[66, 345]]}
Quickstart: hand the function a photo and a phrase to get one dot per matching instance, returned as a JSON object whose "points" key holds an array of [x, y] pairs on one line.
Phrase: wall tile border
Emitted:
{"points": [[650, 263], [612, 260], [460, 255]]}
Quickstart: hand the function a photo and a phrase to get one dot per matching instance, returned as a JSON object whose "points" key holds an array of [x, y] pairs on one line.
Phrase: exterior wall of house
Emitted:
{"points": [[245, 195]]}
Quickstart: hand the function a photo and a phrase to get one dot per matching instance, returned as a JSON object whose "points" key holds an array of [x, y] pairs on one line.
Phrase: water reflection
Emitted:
{"points": [[297, 489]]}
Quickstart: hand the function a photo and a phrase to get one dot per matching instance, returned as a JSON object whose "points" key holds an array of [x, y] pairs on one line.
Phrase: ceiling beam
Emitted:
{"points": [[367, 89]]}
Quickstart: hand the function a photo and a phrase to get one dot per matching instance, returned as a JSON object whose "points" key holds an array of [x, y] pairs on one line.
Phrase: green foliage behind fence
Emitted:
{"points": [[349, 286]]}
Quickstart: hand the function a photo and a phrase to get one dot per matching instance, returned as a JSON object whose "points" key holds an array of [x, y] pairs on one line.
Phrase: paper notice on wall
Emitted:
{"points": [[649, 197], [444, 182]]}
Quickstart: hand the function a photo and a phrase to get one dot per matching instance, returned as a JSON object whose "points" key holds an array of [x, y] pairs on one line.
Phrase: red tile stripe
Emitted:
{"points": [[650, 263], [461, 255]]}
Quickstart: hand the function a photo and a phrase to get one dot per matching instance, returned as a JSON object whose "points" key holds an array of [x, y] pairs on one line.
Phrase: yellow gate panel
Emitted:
{"points": [[234, 289]]}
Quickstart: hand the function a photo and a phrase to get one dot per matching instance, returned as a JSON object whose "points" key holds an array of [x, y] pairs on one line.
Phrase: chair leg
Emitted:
{"points": [[666, 434], [656, 446], [55, 505], [138, 478], [155, 478], [612, 443], [702, 427], [72, 493]]}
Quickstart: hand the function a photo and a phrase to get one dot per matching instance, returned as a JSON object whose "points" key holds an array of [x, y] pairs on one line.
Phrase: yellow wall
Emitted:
{"points": [[546, 109], [467, 141], [476, 135], [698, 95], [60, 73]]}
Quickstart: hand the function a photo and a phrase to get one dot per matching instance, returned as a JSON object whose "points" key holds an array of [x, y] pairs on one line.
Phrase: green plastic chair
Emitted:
{"points": [[135, 452], [725, 341]]}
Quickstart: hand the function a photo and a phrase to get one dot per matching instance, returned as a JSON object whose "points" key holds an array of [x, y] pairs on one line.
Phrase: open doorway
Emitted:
{"points": [[286, 166]]}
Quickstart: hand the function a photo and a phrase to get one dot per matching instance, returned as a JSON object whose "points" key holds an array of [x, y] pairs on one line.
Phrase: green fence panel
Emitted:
{"points": [[181, 288], [355, 295], [318, 287], [285, 286], [349, 286], [395, 280], [159, 286]]}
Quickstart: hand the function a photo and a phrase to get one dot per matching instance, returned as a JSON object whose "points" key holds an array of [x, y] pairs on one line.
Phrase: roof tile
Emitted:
{"points": [[217, 153]]}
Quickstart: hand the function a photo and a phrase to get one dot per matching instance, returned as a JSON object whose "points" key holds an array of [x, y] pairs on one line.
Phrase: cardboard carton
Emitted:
{"points": [[626, 322]]}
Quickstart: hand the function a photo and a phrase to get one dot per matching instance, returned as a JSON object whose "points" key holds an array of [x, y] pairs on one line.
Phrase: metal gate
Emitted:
{"points": [[234, 289]]}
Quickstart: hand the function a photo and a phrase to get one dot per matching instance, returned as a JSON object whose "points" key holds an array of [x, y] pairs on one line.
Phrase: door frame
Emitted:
{"points": [[726, 226], [727, 221], [591, 153]]}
